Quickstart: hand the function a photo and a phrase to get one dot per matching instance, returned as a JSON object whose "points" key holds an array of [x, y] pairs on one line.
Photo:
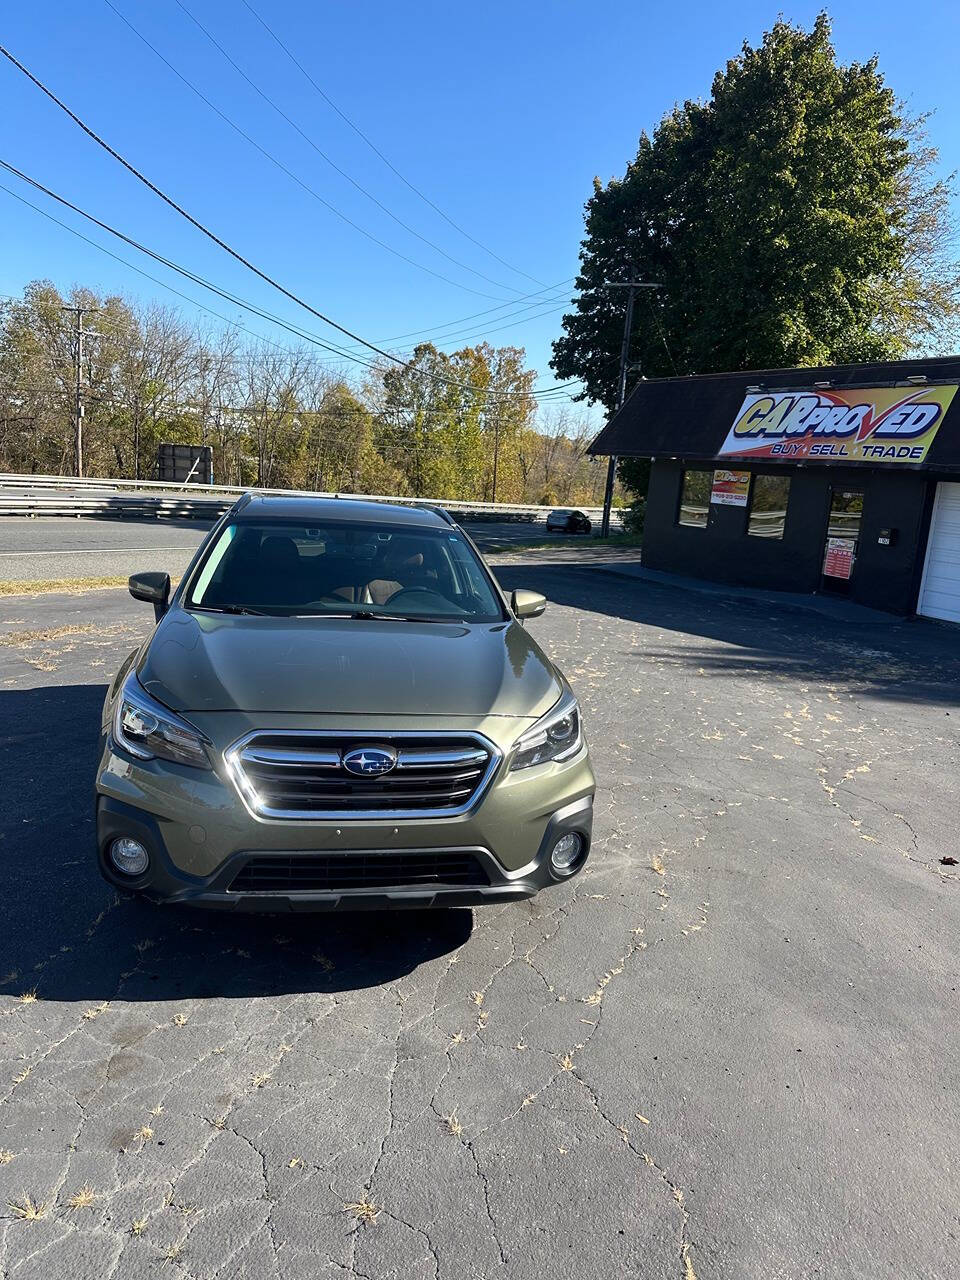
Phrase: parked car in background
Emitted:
{"points": [[568, 520], [339, 707]]}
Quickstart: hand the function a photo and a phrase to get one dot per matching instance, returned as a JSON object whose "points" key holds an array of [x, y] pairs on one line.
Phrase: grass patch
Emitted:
{"points": [[624, 540], [82, 1199], [45, 648], [619, 540], [363, 1210], [27, 1209], [27, 639], [68, 586]]}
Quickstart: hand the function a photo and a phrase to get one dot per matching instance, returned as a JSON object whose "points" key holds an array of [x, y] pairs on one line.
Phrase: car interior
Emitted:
{"points": [[295, 568]]}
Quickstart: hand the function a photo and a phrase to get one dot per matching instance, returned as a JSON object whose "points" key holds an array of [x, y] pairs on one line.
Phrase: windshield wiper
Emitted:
{"points": [[334, 613], [422, 617], [368, 615], [233, 608]]}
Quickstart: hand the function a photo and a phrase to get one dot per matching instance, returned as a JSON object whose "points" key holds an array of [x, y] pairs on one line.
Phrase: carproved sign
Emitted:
{"points": [[858, 424], [730, 488]]}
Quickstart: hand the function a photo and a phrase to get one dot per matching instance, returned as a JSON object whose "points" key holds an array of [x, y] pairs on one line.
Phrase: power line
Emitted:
{"points": [[319, 150], [413, 333], [547, 394], [49, 393], [233, 324], [663, 336], [289, 172], [151, 186], [377, 152], [173, 266], [467, 335], [379, 417]]}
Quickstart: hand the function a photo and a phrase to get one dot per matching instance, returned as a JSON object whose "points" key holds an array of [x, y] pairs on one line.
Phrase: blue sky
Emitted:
{"points": [[501, 114]]}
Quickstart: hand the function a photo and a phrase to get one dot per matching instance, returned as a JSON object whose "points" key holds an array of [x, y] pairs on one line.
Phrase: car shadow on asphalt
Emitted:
{"points": [[68, 935], [888, 657]]}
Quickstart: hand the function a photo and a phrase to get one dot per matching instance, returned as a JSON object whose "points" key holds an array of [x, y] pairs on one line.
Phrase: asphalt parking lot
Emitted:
{"points": [[727, 1051]]}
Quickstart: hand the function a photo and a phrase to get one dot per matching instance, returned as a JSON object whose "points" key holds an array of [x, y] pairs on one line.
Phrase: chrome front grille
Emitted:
{"points": [[301, 775]]}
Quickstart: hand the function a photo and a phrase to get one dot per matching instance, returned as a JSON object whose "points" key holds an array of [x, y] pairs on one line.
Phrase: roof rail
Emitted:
{"points": [[241, 502], [437, 511]]}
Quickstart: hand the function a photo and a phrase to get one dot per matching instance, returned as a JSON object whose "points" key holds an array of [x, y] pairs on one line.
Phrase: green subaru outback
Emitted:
{"points": [[339, 708]]}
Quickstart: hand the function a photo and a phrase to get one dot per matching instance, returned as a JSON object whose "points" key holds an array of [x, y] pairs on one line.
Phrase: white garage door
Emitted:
{"points": [[940, 588]]}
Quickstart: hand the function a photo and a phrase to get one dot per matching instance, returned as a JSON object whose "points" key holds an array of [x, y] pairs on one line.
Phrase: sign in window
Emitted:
{"points": [[838, 559], [730, 488]]}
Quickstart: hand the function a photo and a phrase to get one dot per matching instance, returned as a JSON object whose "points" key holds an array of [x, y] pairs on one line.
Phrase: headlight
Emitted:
{"points": [[556, 736], [149, 731]]}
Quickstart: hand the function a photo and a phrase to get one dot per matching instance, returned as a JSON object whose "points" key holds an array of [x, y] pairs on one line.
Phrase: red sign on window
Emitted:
{"points": [[838, 560]]}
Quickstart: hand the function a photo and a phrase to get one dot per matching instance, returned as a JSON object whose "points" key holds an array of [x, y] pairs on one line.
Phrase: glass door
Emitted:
{"points": [[842, 540]]}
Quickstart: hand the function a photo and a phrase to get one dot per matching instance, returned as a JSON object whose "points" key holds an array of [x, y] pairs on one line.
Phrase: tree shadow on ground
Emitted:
{"points": [[66, 933], [883, 656]]}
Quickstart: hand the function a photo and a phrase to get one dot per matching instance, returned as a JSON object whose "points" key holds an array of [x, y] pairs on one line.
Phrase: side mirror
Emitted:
{"points": [[153, 587], [528, 604]]}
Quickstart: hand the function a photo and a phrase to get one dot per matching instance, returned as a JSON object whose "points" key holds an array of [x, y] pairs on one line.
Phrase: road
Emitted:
{"points": [[62, 548], [728, 1051]]}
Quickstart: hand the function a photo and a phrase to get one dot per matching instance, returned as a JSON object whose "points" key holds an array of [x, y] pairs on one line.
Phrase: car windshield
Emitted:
{"points": [[354, 568]]}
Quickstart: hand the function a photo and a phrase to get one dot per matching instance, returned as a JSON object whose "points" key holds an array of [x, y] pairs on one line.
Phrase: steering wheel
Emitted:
{"points": [[421, 594]]}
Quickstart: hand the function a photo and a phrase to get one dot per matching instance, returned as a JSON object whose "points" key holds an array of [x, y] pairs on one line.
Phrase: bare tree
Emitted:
{"points": [[272, 381], [215, 391]]}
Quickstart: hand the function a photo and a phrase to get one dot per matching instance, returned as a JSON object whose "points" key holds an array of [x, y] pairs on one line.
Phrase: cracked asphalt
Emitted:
{"points": [[728, 1050]]}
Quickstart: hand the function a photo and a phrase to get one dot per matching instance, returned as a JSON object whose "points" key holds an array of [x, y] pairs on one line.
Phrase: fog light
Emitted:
{"points": [[566, 852], [129, 856]]}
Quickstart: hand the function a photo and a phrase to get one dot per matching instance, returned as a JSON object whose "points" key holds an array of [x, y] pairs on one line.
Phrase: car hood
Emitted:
{"points": [[217, 662]]}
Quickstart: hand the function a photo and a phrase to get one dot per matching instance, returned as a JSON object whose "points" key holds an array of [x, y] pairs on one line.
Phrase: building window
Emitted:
{"points": [[695, 498], [768, 506]]}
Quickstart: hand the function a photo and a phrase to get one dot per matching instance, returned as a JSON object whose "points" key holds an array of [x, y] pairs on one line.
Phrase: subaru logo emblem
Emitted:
{"points": [[370, 762]]}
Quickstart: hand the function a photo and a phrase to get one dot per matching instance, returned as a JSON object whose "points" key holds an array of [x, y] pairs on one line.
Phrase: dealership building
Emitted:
{"points": [[843, 479]]}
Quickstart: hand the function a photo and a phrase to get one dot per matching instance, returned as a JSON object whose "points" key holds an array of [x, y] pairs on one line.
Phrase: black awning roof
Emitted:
{"points": [[688, 418]]}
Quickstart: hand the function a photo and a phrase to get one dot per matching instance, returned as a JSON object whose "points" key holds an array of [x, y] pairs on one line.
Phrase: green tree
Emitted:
{"points": [[450, 423], [792, 219]]}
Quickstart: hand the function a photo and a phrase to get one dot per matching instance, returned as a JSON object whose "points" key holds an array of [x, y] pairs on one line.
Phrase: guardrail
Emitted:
{"points": [[23, 495]]}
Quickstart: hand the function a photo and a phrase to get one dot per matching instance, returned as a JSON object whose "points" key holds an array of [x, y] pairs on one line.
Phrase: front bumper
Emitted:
{"points": [[200, 834], [165, 881]]}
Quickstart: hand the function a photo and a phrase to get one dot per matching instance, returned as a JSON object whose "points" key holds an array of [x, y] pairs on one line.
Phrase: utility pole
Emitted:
{"points": [[81, 333], [496, 449], [631, 286]]}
